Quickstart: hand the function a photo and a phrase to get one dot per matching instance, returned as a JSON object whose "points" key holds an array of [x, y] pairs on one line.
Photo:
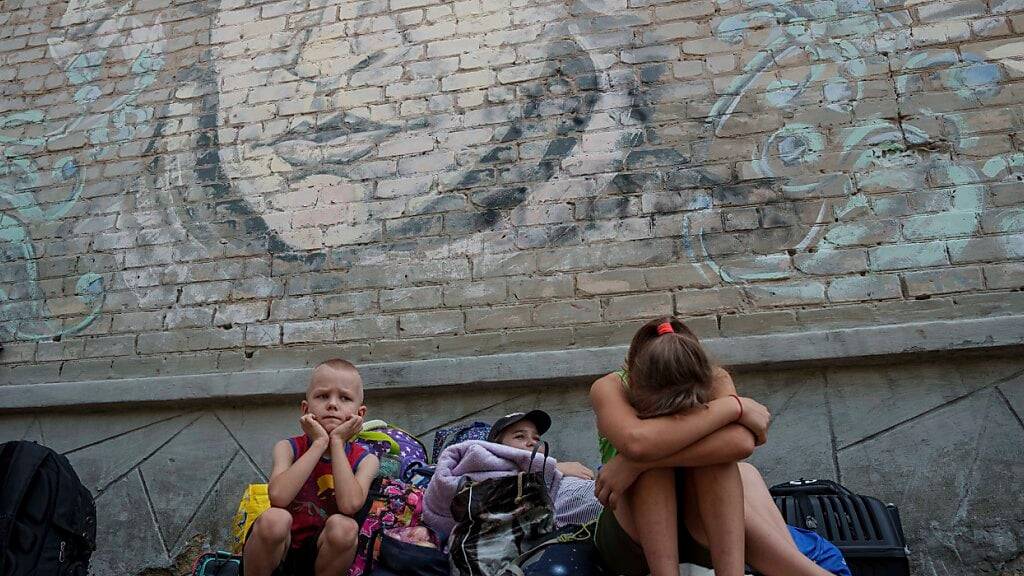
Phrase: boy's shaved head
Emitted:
{"points": [[336, 367]]}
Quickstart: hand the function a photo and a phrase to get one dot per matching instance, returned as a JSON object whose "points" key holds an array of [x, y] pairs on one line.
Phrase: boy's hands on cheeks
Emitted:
{"points": [[314, 430], [347, 429]]}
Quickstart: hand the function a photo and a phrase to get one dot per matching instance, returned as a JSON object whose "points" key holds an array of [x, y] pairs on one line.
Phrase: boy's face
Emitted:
{"points": [[522, 435], [333, 396]]}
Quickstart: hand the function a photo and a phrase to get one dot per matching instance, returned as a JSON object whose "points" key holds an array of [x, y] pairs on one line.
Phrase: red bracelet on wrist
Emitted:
{"points": [[740, 402]]}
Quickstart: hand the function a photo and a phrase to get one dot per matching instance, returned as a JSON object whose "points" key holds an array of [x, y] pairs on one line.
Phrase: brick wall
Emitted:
{"points": [[193, 187]]}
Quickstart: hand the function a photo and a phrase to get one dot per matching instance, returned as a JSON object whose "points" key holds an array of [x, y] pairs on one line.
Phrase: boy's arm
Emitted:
{"points": [[653, 438], [351, 487], [287, 477]]}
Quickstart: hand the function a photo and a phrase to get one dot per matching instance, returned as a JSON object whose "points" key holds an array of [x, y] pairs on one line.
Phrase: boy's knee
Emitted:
{"points": [[274, 525], [341, 532]]}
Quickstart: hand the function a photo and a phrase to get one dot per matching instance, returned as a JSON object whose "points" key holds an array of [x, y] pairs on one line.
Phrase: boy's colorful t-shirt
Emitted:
{"points": [[315, 500]]}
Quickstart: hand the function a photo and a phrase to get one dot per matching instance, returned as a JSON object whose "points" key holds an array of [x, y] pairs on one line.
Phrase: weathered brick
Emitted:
{"points": [[700, 302], [941, 225], [855, 288], [787, 294], [611, 282], [540, 288], [476, 293], [828, 262], [498, 318], [943, 281], [311, 331], [368, 328], [348, 303], [987, 249], [1009, 275], [567, 312], [908, 256], [411, 298], [430, 323], [109, 346], [205, 293], [240, 313], [262, 334], [292, 308], [753, 323], [639, 306]]}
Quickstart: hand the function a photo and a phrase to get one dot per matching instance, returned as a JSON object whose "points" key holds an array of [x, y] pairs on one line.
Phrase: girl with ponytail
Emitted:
{"points": [[673, 433]]}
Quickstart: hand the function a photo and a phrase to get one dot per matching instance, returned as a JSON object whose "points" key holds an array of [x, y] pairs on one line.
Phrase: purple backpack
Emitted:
{"points": [[397, 450]]}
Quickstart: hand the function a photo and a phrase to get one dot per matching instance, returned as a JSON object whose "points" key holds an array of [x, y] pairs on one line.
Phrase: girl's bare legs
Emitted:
{"points": [[770, 548], [648, 515], [713, 510]]}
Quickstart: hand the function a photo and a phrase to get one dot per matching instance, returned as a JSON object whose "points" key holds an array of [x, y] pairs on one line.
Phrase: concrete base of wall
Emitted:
{"points": [[939, 435]]}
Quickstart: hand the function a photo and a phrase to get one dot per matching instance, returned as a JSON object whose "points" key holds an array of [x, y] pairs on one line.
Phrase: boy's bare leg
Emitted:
{"points": [[336, 547], [770, 548], [267, 543], [648, 515], [713, 512]]}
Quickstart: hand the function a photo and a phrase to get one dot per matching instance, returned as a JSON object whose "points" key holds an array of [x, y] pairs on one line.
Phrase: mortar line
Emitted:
{"points": [[206, 496], [471, 414], [932, 410], [1009, 405], [832, 428], [152, 512], [126, 432], [148, 456], [240, 447]]}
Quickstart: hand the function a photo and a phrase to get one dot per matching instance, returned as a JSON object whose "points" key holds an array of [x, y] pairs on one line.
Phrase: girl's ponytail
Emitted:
{"points": [[668, 369]]}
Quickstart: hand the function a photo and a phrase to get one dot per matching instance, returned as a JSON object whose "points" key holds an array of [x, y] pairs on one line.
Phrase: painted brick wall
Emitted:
{"points": [[210, 186]]}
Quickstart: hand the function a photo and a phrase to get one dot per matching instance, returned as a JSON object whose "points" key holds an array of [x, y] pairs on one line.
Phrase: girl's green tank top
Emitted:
{"points": [[604, 446]]}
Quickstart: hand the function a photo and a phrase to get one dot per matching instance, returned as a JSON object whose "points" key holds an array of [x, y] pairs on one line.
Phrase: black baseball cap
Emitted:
{"points": [[539, 418]]}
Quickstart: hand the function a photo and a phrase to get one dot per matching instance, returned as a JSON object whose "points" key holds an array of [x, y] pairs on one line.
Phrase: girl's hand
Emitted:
{"points": [[347, 429], [755, 418], [314, 430], [615, 478], [575, 469]]}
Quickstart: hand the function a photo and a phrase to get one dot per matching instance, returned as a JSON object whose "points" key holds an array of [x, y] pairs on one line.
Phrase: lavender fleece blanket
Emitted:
{"points": [[478, 460]]}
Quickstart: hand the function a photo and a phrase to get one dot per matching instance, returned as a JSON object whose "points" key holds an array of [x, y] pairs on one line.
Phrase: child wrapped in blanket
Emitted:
{"points": [[507, 451]]}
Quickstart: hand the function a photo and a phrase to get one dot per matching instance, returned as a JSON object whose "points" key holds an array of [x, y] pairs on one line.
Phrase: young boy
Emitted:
{"points": [[318, 483], [523, 430], [575, 502]]}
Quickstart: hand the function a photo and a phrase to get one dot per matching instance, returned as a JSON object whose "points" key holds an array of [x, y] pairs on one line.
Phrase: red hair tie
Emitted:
{"points": [[665, 328]]}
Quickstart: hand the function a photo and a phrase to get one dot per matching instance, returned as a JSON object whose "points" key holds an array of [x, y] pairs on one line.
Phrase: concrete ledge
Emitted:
{"points": [[526, 367]]}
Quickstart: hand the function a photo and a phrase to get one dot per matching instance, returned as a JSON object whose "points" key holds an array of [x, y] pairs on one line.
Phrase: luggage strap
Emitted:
{"points": [[581, 535]]}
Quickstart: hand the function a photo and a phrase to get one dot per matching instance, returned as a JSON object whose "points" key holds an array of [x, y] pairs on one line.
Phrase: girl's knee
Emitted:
{"points": [[748, 471], [274, 525], [341, 532], [657, 477]]}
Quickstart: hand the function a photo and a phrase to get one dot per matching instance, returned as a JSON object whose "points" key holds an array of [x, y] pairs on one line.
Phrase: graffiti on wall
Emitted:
{"points": [[306, 139], [45, 162], [814, 61]]}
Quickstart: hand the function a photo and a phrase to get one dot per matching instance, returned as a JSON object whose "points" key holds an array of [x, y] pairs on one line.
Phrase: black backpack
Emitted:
{"points": [[868, 532], [47, 517]]}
